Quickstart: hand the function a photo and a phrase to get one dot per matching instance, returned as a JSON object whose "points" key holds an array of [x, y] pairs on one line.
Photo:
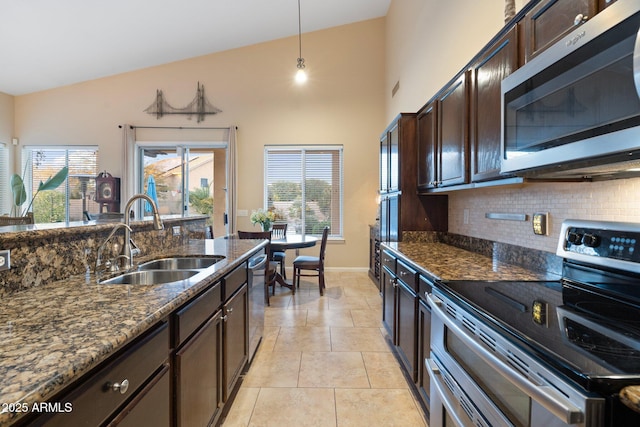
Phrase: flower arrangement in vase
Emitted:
{"points": [[264, 218]]}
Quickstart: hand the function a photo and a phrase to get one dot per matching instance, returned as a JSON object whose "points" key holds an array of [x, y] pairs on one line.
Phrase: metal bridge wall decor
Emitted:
{"points": [[199, 106]]}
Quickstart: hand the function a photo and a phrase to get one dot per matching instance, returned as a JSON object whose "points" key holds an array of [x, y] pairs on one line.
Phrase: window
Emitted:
{"points": [[72, 198], [309, 177]]}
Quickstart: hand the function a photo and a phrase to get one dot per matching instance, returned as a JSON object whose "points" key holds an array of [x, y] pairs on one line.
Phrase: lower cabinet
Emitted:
{"points": [[400, 310], [235, 336], [197, 376], [128, 387], [424, 349]]}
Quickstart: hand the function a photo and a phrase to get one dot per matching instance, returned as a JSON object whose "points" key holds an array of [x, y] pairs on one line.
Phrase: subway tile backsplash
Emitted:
{"points": [[616, 200]]}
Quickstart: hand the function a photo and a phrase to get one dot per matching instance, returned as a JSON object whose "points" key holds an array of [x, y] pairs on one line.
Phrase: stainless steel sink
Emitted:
{"points": [[150, 277], [180, 263]]}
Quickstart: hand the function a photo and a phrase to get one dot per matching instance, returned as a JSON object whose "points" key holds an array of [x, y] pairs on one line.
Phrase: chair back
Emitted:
{"points": [[323, 245], [208, 232], [279, 230]]}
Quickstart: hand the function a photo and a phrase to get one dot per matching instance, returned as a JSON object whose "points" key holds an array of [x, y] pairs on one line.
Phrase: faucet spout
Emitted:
{"points": [[127, 248], [104, 244]]}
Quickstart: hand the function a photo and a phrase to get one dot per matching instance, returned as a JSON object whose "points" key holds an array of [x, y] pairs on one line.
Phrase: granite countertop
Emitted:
{"points": [[445, 262], [52, 334]]}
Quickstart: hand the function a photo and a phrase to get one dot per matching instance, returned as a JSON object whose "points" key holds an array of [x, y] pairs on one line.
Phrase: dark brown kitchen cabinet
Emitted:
{"points": [[427, 136], [550, 20], [150, 407], [452, 160], [125, 385], [401, 209], [374, 255], [198, 385], [495, 63], [400, 309], [235, 337], [443, 139], [602, 4]]}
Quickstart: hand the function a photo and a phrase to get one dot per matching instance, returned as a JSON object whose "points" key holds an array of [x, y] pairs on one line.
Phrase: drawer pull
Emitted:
{"points": [[230, 310], [121, 387]]}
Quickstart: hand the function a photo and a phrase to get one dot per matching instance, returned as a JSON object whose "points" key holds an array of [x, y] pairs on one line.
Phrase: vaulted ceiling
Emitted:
{"points": [[46, 44]]}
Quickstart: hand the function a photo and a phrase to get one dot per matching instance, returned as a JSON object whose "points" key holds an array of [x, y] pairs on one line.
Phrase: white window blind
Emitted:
{"points": [[303, 186], [5, 192], [75, 196]]}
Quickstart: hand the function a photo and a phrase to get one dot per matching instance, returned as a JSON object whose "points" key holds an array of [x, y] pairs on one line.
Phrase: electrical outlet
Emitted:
{"points": [[465, 216], [5, 260], [176, 230]]}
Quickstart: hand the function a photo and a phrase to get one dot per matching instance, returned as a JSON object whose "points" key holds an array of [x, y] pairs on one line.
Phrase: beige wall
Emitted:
{"points": [[343, 103], [6, 123], [429, 41]]}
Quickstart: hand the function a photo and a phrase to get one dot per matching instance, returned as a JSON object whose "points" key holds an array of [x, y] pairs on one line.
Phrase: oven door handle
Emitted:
{"points": [[434, 373], [550, 399]]}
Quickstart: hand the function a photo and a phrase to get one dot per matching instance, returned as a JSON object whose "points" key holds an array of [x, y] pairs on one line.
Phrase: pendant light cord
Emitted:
{"points": [[299, 31]]}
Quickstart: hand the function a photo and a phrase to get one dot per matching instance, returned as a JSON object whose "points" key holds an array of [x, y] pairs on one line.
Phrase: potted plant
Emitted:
{"points": [[20, 216]]}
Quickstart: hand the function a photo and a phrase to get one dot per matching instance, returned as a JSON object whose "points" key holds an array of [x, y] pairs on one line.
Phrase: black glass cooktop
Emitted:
{"points": [[593, 339]]}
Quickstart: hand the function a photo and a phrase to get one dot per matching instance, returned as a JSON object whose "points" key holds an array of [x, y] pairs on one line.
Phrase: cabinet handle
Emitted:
{"points": [[120, 387], [229, 310], [224, 318], [579, 19]]}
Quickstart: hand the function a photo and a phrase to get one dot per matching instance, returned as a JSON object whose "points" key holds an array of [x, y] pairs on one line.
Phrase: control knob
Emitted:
{"points": [[591, 240], [575, 238]]}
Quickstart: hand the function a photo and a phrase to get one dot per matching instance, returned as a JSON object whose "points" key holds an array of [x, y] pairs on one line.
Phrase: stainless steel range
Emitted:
{"points": [[552, 353]]}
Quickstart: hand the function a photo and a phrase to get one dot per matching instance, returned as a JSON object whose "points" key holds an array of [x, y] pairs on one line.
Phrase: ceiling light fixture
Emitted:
{"points": [[301, 74]]}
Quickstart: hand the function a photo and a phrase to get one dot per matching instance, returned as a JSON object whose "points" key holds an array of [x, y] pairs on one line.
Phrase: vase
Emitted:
{"points": [[266, 226]]}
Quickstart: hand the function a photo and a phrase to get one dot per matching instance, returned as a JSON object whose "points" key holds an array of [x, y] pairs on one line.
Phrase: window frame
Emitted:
{"points": [[303, 149]]}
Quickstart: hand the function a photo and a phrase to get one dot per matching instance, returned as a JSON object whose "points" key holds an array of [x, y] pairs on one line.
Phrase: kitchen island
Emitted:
{"points": [[56, 334]]}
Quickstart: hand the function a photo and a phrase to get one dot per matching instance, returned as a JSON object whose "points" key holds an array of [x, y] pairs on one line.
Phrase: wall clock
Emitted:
{"points": [[107, 188]]}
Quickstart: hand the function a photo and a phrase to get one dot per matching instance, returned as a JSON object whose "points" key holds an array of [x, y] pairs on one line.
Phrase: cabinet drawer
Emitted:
{"points": [[234, 280], [424, 287], [95, 400], [389, 261], [190, 317], [407, 274]]}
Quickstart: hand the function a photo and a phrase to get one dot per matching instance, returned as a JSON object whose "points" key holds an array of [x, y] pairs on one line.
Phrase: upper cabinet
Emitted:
{"points": [[427, 135], [453, 162], [390, 159], [443, 138], [486, 74], [550, 20]]}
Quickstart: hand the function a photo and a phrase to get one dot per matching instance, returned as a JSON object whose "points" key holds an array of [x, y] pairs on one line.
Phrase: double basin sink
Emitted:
{"points": [[164, 270]]}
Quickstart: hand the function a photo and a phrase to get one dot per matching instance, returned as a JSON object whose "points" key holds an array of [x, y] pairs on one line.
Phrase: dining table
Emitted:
{"points": [[291, 241]]}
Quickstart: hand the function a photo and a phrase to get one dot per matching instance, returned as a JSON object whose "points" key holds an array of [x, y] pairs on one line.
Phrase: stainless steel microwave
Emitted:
{"points": [[574, 110]]}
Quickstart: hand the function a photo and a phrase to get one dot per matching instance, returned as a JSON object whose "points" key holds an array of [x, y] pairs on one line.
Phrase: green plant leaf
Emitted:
{"points": [[18, 190], [54, 181]]}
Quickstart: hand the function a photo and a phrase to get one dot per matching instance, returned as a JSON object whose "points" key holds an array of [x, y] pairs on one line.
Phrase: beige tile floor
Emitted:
{"points": [[324, 361]]}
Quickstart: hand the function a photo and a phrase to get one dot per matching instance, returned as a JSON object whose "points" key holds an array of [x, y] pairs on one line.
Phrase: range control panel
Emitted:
{"points": [[604, 242]]}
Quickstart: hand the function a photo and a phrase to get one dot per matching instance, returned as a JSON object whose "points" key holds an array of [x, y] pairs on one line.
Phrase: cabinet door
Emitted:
{"points": [[487, 73], [235, 338], [384, 219], [427, 134], [550, 20], [406, 328], [388, 285], [424, 349], [452, 134], [197, 378], [151, 407], [394, 159], [384, 163]]}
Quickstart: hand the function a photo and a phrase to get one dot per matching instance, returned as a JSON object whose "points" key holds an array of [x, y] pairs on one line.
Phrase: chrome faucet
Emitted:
{"points": [[129, 250], [110, 265]]}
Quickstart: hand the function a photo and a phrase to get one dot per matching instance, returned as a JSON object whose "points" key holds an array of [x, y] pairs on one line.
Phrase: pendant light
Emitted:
{"points": [[301, 74]]}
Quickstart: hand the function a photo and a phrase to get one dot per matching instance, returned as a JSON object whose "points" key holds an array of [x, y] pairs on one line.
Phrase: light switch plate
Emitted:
{"points": [[5, 260]]}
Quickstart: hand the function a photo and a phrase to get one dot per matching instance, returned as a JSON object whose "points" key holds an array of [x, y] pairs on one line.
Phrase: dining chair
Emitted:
{"points": [[312, 263], [279, 231], [271, 266]]}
